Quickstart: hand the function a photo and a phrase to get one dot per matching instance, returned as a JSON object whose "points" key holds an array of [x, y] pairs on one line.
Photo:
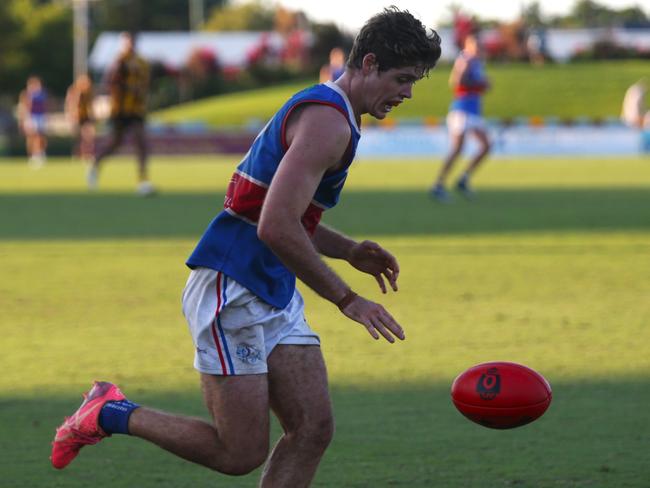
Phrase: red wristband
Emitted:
{"points": [[346, 300]]}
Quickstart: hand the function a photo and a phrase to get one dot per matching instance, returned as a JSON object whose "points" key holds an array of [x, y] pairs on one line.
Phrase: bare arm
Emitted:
{"points": [[317, 140], [366, 256], [21, 109], [332, 243], [318, 137], [457, 72], [71, 104], [460, 75]]}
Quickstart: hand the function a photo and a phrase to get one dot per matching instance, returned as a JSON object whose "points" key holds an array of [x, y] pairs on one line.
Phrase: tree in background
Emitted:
{"points": [[145, 15], [531, 15], [326, 37], [13, 59], [37, 34], [588, 13], [265, 64], [201, 76], [633, 17], [36, 39], [253, 16]]}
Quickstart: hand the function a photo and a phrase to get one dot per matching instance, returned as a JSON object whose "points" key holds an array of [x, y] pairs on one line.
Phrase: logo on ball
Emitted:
{"points": [[489, 384]]}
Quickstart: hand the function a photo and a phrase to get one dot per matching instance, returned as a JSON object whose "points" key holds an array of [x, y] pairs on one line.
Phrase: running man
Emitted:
{"points": [[79, 110], [469, 82], [255, 351], [32, 116], [129, 87]]}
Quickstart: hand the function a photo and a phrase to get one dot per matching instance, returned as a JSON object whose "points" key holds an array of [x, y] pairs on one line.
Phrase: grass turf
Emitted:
{"points": [[562, 90], [548, 267]]}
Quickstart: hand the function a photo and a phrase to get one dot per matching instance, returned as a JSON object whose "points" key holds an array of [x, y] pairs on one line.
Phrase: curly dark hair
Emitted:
{"points": [[397, 39]]}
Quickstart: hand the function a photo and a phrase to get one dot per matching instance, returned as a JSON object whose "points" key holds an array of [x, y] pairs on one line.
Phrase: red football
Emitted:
{"points": [[501, 395]]}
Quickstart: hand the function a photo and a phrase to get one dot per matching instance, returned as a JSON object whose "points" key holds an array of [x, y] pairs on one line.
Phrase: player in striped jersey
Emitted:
{"points": [[129, 88], [79, 110]]}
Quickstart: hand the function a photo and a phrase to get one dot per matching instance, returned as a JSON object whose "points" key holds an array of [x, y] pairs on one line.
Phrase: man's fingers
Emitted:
{"points": [[385, 324], [394, 266], [380, 282], [379, 327], [392, 278], [392, 325], [375, 319], [371, 330]]}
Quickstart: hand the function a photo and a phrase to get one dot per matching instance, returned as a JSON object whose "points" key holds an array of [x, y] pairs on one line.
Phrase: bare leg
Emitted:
{"points": [[237, 442], [32, 145], [40, 144], [140, 139], [31, 138], [115, 141], [457, 141], [28, 144], [483, 151], [36, 148], [87, 141], [300, 399]]}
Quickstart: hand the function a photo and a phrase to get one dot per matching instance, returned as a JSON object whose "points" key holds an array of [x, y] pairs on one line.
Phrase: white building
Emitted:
{"points": [[173, 49]]}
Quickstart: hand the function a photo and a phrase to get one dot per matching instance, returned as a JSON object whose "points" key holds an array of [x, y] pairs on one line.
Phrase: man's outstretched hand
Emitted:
{"points": [[374, 317], [371, 258]]}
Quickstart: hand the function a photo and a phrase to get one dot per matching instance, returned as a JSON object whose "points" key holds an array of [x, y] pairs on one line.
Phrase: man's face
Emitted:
{"points": [[387, 89], [128, 44], [34, 84], [471, 46]]}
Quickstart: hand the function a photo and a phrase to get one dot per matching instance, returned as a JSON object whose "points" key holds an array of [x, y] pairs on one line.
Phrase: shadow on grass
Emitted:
{"points": [[185, 215], [594, 434]]}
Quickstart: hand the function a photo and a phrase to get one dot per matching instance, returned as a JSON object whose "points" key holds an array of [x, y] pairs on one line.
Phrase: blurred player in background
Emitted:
{"points": [[254, 349], [635, 112], [79, 110], [335, 67], [32, 118], [129, 85], [469, 82]]}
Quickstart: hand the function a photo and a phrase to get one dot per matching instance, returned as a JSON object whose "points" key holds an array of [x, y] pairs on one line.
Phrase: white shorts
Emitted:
{"points": [[634, 120], [233, 330], [459, 122], [35, 123]]}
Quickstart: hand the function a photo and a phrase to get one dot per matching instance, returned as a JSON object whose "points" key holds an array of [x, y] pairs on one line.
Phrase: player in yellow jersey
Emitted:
{"points": [[129, 86], [79, 110]]}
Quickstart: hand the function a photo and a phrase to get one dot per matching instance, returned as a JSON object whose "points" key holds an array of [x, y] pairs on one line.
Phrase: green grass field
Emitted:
{"points": [[549, 267], [564, 91]]}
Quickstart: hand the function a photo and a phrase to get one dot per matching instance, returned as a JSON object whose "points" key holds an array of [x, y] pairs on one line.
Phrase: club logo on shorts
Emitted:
{"points": [[248, 354], [489, 384]]}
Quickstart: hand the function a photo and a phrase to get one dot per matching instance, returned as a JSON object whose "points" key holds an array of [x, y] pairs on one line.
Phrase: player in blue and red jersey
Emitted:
{"points": [[469, 82], [336, 66], [254, 349], [32, 114]]}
